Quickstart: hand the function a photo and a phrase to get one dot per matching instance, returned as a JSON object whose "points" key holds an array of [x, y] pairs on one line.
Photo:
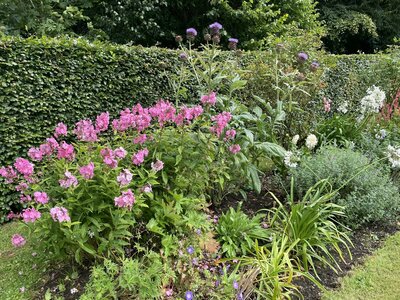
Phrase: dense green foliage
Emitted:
{"points": [[366, 191]]}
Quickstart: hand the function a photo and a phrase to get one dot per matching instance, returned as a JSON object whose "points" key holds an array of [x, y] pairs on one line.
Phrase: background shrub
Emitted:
{"points": [[369, 197]]}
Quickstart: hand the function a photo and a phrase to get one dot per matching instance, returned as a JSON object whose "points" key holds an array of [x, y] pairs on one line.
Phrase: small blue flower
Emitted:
{"points": [[190, 250], [189, 295], [235, 285]]}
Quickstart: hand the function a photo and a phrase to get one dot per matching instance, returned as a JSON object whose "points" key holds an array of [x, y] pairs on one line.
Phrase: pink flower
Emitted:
{"points": [[60, 214], [222, 121], [327, 105], [22, 186], [147, 189], [41, 197], [120, 152], [66, 151], [30, 215], [11, 215], [109, 158], [102, 122], [25, 198], [164, 111], [87, 171], [18, 240], [52, 142], [141, 139], [125, 200], [85, 131], [234, 148], [139, 157], [230, 134], [157, 166], [23, 166], [8, 173], [35, 154], [209, 99], [125, 177], [61, 129], [187, 114], [68, 180]]}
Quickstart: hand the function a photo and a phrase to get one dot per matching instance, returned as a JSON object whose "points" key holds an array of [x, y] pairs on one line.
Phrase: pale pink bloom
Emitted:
{"points": [[147, 189], [187, 114], [169, 292], [230, 134], [87, 171], [18, 240], [41, 197], [120, 152], [327, 105], [125, 177], [157, 166], [142, 117], [22, 186], [66, 151], [222, 121], [125, 200], [209, 99], [46, 149], [8, 173], [30, 215], [85, 131], [35, 154], [52, 142], [11, 215], [109, 158], [60, 214], [24, 166], [102, 122], [61, 129], [68, 180], [234, 148], [24, 198], [164, 111], [141, 139], [139, 157]]}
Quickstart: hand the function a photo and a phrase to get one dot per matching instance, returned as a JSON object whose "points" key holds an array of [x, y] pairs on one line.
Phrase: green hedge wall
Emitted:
{"points": [[46, 81]]}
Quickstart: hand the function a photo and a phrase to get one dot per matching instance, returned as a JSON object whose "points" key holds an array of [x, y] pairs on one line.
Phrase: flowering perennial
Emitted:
{"points": [[41, 197], [394, 156], [60, 214], [125, 200], [87, 171], [30, 215], [311, 141]]}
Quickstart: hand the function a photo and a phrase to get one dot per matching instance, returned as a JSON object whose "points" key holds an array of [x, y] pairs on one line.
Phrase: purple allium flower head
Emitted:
{"points": [[233, 40], [189, 295], [302, 56], [314, 66], [190, 250], [191, 33], [183, 56], [235, 285], [215, 27], [232, 43]]}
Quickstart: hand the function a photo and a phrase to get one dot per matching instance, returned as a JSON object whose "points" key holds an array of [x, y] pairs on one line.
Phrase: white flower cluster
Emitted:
{"points": [[290, 159], [295, 139], [311, 141], [373, 101], [343, 108], [394, 156]]}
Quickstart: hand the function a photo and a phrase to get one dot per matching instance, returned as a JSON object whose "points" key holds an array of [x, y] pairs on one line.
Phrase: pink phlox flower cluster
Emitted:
{"points": [[35, 154], [68, 180], [23, 166], [21, 187], [18, 240], [327, 105], [8, 173], [139, 157], [142, 117], [61, 129], [188, 114], [125, 200], [120, 153], [52, 143], [125, 177], [102, 122], [30, 215], [230, 134], [25, 198], [66, 151], [141, 139], [234, 148], [87, 171], [60, 214], [209, 99], [157, 166], [85, 131], [109, 157], [164, 111], [12, 215], [147, 188], [222, 121], [41, 197]]}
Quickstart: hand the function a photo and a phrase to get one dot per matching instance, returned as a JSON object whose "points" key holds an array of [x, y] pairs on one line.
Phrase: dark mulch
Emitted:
{"points": [[366, 241]]}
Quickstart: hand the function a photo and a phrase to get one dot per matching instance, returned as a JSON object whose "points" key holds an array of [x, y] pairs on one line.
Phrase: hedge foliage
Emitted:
{"points": [[46, 81]]}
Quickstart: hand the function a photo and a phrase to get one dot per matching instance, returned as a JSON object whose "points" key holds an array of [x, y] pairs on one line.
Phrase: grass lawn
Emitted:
{"points": [[19, 267], [377, 278]]}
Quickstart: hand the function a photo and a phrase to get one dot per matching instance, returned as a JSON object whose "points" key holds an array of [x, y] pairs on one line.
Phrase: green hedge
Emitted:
{"points": [[46, 81]]}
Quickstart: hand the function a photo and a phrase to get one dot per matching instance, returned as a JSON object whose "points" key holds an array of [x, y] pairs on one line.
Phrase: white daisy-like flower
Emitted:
{"points": [[394, 156], [290, 159], [295, 139], [311, 141]]}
